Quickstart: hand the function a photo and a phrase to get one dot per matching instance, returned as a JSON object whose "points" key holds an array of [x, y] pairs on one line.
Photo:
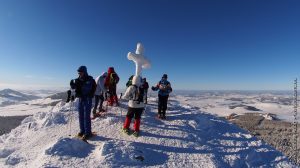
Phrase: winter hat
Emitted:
{"points": [[144, 79], [111, 70], [82, 69], [165, 76], [136, 80]]}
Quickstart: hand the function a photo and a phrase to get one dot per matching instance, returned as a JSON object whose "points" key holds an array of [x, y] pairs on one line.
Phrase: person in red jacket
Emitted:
{"points": [[111, 82]]}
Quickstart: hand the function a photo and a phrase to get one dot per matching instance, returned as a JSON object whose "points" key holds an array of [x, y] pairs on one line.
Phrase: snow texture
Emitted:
{"points": [[188, 138]]}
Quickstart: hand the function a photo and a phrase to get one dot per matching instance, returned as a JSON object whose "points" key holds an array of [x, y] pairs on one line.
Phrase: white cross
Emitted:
{"points": [[139, 59]]}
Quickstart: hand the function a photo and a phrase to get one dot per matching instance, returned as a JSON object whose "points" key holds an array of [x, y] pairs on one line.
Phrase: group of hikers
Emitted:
{"points": [[105, 88]]}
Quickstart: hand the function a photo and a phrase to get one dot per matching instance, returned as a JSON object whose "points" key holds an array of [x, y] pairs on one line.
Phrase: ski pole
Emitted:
{"points": [[70, 117]]}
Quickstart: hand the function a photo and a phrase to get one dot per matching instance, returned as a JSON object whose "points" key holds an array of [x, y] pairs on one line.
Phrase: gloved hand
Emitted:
{"points": [[153, 88], [72, 84], [163, 87], [69, 96]]}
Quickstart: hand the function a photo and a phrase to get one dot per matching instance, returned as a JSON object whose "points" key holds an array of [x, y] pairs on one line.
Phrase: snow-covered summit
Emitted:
{"points": [[188, 138]]}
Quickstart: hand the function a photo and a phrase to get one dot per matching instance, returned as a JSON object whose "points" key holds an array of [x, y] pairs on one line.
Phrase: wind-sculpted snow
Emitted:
{"points": [[69, 147], [116, 153], [188, 138]]}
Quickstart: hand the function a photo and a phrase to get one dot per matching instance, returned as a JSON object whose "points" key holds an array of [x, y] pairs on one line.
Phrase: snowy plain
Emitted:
{"points": [[224, 103], [190, 137]]}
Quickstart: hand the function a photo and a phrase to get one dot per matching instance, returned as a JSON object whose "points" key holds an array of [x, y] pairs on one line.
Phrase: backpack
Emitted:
{"points": [[138, 95], [113, 79]]}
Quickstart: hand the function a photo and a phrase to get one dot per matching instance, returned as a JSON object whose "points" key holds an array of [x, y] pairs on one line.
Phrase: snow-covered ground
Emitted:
{"points": [[225, 103], [188, 138]]}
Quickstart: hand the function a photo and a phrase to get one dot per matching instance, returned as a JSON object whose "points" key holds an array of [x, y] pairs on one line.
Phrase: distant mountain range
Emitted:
{"points": [[62, 95], [9, 96]]}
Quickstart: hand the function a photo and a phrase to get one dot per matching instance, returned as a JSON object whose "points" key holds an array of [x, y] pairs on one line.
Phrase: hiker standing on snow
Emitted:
{"points": [[164, 87], [99, 94], [111, 82], [85, 87], [145, 87], [134, 94]]}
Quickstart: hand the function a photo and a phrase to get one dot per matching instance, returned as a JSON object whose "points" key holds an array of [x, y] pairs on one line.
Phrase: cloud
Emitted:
{"points": [[31, 86], [48, 78], [29, 76]]}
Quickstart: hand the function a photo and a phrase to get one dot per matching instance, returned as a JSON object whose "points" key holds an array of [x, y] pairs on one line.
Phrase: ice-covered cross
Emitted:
{"points": [[139, 59]]}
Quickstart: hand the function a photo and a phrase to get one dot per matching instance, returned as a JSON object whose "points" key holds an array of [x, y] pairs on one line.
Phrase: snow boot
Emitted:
{"points": [[111, 101], [126, 131], [115, 98], [136, 133], [87, 136], [80, 134]]}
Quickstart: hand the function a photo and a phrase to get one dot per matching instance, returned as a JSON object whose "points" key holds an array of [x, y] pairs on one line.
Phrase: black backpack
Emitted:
{"points": [[139, 94]]}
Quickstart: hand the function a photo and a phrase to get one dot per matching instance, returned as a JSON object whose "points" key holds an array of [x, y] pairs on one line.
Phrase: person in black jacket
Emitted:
{"points": [[85, 87], [164, 89], [145, 87]]}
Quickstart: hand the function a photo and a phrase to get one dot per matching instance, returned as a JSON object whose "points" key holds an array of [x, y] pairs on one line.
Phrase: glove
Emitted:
{"points": [[72, 84], [153, 88], [69, 95]]}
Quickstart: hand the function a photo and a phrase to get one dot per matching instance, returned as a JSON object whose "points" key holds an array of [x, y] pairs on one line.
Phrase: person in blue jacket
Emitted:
{"points": [[85, 87], [164, 89]]}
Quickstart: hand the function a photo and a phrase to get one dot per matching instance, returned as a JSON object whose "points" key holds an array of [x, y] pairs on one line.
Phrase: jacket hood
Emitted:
{"points": [[111, 70]]}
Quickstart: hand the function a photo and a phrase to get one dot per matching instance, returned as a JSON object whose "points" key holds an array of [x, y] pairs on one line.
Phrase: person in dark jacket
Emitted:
{"points": [[164, 89], [145, 87], [85, 87]]}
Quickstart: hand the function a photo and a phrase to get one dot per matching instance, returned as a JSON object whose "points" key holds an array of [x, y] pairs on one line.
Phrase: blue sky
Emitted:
{"points": [[240, 45]]}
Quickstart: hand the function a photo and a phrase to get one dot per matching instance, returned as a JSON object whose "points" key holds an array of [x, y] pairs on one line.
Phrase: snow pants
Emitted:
{"points": [[85, 105], [98, 98], [113, 98], [162, 104], [145, 96], [136, 113]]}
